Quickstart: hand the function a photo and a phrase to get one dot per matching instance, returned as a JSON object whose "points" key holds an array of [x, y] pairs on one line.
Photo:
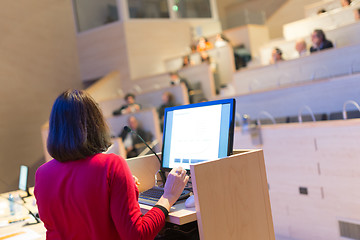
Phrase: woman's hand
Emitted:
{"points": [[175, 184], [136, 180]]}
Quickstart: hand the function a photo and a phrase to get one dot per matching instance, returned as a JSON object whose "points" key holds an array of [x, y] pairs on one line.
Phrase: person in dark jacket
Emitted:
{"points": [[132, 143], [130, 107], [319, 41]]}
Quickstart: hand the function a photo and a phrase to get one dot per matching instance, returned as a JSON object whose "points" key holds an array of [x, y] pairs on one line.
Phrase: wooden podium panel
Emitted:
{"points": [[232, 198], [144, 168]]}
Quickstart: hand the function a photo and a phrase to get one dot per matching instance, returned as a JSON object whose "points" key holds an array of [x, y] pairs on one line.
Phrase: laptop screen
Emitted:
{"points": [[197, 132], [23, 177]]}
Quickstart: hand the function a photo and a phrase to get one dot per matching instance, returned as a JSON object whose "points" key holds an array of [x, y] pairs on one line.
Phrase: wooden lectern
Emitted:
{"points": [[231, 196]]}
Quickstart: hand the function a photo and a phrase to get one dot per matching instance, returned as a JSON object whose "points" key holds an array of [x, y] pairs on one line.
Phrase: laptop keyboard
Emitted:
{"points": [[152, 196]]}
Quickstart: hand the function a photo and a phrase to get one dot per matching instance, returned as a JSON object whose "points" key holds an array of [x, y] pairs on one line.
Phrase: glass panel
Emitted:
{"points": [[192, 8], [94, 13], [148, 9]]}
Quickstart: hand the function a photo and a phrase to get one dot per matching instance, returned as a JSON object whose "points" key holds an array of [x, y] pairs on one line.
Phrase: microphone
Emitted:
{"points": [[23, 205], [162, 174]]}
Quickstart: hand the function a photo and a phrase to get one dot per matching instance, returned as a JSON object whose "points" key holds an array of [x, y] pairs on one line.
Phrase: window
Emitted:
{"points": [[94, 13], [148, 9], [192, 8]]}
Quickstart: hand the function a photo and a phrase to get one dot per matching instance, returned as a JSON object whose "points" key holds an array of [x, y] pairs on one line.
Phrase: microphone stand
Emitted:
{"points": [[162, 174]]}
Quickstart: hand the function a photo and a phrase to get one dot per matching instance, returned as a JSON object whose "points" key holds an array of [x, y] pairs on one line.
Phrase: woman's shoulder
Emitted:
{"points": [[106, 157], [110, 159]]}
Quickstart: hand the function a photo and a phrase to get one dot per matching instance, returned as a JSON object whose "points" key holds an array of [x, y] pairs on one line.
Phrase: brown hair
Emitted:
{"points": [[320, 34], [77, 128]]}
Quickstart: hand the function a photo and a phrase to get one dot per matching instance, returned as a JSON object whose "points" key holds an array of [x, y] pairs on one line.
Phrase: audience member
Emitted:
{"points": [[357, 14], [300, 47], [321, 11], [176, 80], [205, 57], [168, 100], [221, 41], [276, 56], [186, 61], [131, 142], [203, 45], [319, 41], [129, 107], [94, 194], [242, 56], [345, 3]]}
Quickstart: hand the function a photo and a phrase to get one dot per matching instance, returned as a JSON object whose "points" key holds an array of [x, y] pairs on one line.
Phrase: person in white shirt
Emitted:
{"points": [[300, 47]]}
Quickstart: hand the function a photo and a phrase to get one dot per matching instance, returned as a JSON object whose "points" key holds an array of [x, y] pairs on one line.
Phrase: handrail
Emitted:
{"points": [[344, 107], [305, 107], [267, 114]]}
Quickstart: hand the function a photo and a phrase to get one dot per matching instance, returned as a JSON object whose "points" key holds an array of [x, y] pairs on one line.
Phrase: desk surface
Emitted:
{"points": [[179, 214], [17, 230]]}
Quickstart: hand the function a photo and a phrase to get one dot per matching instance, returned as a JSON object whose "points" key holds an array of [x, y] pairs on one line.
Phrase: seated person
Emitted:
{"points": [[131, 142], [242, 56], [186, 61], [205, 57], [321, 11], [129, 107], [357, 14], [203, 45], [300, 47], [221, 41], [319, 41], [276, 56], [168, 101], [176, 80], [345, 3]]}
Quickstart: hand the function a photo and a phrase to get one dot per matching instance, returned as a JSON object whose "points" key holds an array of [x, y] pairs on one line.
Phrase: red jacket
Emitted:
{"points": [[93, 198]]}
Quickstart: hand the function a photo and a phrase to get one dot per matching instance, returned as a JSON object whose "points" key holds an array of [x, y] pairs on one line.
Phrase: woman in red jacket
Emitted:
{"points": [[85, 194]]}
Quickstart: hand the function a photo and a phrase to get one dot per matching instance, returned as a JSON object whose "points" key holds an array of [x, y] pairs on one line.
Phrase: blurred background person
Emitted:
{"points": [[321, 11], [345, 3], [276, 56], [221, 41], [204, 45], [130, 107], [133, 145], [319, 41], [168, 100], [357, 14], [176, 80], [300, 47], [205, 57], [186, 61]]}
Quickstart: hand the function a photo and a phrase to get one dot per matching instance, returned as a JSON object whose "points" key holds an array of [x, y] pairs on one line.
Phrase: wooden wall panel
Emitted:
{"points": [[322, 157], [103, 50], [38, 60]]}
